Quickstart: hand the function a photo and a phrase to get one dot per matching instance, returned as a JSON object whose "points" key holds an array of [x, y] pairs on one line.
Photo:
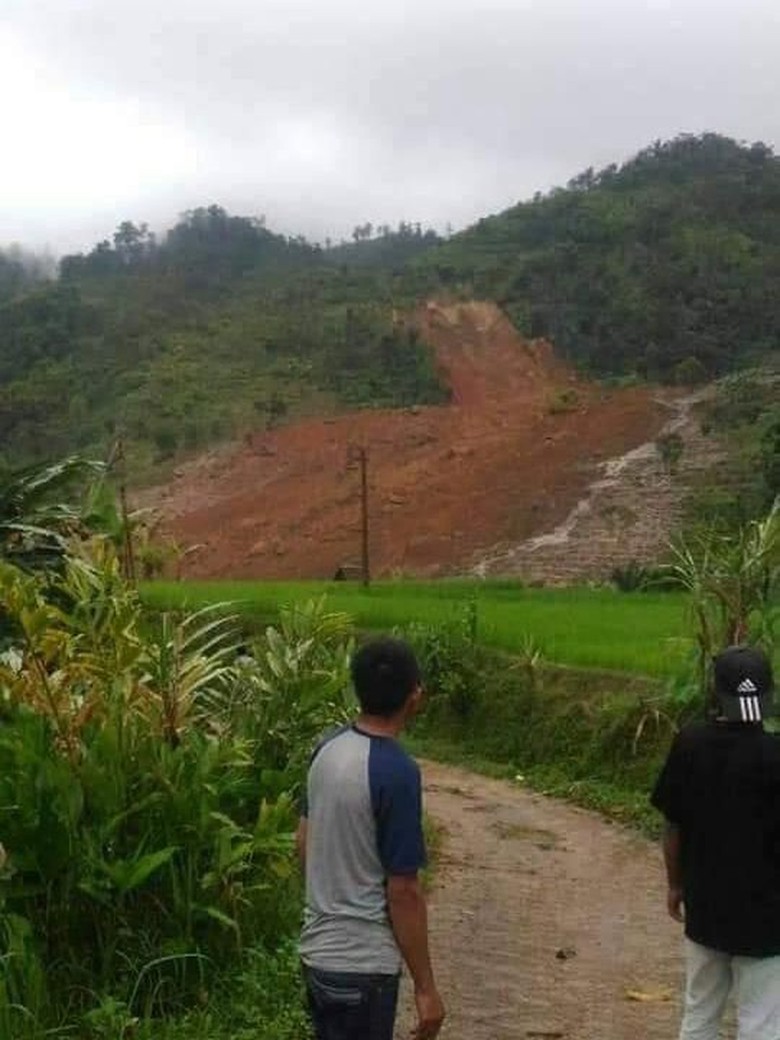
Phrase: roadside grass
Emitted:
{"points": [[614, 801], [263, 1000], [593, 737], [600, 628]]}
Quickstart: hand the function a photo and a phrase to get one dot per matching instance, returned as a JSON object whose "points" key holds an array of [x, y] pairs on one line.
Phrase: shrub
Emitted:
{"points": [[629, 577], [450, 660], [689, 372], [733, 581], [636, 577], [670, 448], [147, 789], [563, 401]]}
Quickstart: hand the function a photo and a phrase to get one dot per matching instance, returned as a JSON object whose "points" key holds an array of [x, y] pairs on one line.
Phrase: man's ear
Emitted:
{"points": [[415, 700]]}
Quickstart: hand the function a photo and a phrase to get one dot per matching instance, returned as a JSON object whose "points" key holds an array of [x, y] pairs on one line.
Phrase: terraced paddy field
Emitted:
{"points": [[643, 633]]}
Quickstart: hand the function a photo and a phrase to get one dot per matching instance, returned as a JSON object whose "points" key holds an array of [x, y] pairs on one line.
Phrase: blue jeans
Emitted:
{"points": [[351, 1006]]}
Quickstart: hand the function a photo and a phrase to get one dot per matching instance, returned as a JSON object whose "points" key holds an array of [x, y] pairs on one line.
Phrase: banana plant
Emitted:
{"points": [[186, 661], [40, 510]]}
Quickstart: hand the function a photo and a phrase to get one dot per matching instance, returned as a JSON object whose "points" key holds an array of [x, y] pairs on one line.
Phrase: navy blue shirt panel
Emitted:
{"points": [[396, 798]]}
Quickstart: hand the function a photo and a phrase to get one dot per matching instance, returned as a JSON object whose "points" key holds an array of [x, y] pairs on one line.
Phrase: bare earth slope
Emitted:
{"points": [[628, 513], [500, 464], [546, 920]]}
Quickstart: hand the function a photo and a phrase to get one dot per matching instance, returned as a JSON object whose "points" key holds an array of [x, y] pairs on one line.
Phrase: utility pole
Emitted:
{"points": [[128, 555], [357, 454]]}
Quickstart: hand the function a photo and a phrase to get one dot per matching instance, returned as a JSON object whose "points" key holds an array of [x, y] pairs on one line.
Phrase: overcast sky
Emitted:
{"points": [[321, 114]]}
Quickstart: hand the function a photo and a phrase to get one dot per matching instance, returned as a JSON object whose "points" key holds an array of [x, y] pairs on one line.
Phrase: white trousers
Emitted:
{"points": [[709, 979]]}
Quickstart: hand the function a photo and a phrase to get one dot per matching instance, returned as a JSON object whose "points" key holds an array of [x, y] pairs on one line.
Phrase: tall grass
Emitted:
{"points": [[147, 795], [644, 633]]}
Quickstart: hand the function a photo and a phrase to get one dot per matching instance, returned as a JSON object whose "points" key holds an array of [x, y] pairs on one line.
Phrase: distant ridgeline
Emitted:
{"points": [[667, 267], [672, 259]]}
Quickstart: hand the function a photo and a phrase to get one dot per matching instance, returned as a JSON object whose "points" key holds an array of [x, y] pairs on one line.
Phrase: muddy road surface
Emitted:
{"points": [[548, 922]]}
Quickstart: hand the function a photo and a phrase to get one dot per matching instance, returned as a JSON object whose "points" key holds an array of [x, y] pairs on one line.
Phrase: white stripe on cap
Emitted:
{"points": [[750, 709]]}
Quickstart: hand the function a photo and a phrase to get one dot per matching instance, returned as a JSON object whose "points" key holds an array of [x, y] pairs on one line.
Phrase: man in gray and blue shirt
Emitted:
{"points": [[362, 843]]}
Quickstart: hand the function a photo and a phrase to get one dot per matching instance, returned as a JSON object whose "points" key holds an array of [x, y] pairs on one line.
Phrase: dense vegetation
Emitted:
{"points": [[148, 783], [148, 771], [744, 412], [221, 327], [665, 267]]}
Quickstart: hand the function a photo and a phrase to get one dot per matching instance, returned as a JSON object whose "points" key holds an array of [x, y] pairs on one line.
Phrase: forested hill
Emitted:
{"points": [[672, 259], [667, 267], [219, 327]]}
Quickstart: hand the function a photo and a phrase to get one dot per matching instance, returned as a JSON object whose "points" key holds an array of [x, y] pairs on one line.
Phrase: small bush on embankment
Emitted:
{"points": [[596, 737], [599, 736]]}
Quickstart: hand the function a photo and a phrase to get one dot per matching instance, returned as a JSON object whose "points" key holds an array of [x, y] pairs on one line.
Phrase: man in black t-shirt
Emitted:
{"points": [[720, 793]]}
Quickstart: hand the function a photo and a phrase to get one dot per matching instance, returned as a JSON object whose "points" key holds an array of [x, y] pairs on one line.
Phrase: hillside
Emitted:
{"points": [[666, 267], [663, 268], [246, 362], [220, 328], [509, 457]]}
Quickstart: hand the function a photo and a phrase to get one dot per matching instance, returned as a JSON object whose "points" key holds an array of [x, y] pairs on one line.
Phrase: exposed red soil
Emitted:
{"points": [[500, 463]]}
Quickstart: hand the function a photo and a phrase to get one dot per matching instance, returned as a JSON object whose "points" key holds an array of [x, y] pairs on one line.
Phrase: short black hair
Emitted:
{"points": [[385, 673]]}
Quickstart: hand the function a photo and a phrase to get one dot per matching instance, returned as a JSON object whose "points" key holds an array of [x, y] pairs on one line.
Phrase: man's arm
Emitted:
{"points": [[671, 845], [300, 842], [409, 920]]}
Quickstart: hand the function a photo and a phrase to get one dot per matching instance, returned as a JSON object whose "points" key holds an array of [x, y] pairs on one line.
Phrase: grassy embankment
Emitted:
{"points": [[576, 691]]}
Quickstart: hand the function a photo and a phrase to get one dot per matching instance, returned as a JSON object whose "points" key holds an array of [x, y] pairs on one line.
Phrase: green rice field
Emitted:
{"points": [[642, 633]]}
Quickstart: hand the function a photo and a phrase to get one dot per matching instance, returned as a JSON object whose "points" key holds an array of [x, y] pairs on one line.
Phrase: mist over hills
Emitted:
{"points": [[664, 268]]}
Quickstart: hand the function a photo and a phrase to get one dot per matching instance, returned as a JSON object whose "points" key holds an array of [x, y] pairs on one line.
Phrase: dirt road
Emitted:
{"points": [[547, 921]]}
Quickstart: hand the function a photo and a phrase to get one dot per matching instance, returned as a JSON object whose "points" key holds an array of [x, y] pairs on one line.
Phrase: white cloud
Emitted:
{"points": [[325, 113], [68, 155]]}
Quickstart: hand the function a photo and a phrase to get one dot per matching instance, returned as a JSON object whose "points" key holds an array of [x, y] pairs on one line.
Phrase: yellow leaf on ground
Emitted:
{"points": [[648, 996]]}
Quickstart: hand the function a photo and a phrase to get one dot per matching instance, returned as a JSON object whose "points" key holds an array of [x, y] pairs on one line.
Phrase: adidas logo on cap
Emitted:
{"points": [[743, 683], [749, 707]]}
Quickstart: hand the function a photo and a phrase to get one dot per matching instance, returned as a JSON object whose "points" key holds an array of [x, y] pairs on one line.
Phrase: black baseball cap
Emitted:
{"points": [[743, 683]]}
